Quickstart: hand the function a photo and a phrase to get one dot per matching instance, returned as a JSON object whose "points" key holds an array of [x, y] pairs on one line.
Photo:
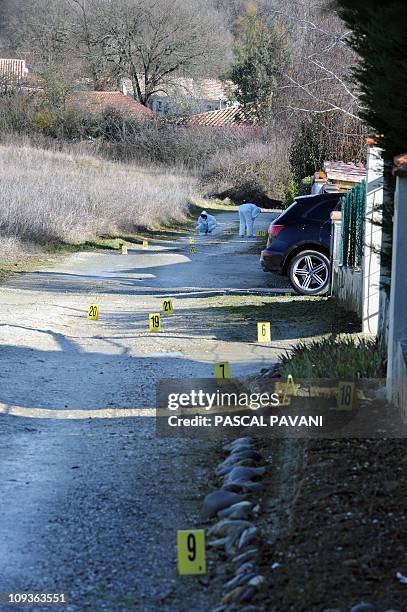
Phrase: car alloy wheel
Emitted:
{"points": [[309, 273]]}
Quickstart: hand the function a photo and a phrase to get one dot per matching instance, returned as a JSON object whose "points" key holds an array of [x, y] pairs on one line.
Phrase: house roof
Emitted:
{"points": [[13, 68], [98, 101], [229, 116], [200, 89], [341, 171], [400, 165]]}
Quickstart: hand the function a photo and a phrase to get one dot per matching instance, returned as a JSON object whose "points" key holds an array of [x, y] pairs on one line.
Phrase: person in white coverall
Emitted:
{"points": [[247, 214], [206, 223]]}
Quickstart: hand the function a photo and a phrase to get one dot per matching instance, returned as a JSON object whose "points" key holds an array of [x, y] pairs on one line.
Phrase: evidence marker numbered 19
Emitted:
{"points": [[155, 321], [168, 308], [191, 552], [93, 312]]}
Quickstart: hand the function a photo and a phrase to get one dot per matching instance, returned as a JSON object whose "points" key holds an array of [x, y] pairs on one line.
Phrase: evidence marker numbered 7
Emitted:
{"points": [[191, 552], [93, 312], [155, 321]]}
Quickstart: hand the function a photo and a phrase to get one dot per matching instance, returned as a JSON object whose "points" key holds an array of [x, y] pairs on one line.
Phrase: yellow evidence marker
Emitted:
{"points": [[261, 233], [155, 322], [346, 396], [287, 390], [123, 249], [192, 249], [167, 306], [222, 370], [191, 552], [145, 244], [191, 240], [93, 312], [263, 332]]}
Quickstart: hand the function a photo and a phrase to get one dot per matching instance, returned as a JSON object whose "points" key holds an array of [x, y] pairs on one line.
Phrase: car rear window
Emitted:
{"points": [[320, 211]]}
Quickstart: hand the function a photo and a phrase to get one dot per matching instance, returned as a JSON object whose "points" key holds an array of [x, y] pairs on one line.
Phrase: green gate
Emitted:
{"points": [[353, 226]]}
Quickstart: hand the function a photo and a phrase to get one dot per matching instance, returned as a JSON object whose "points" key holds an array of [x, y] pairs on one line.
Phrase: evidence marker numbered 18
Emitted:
{"points": [[346, 396], [222, 370], [264, 332], [168, 308], [191, 552], [93, 312], [155, 321]]}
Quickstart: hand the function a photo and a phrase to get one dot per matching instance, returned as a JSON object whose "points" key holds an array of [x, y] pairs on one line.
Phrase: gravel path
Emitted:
{"points": [[90, 507]]}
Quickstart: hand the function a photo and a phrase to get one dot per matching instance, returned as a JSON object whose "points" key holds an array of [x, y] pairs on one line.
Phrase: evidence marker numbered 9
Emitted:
{"points": [[191, 552]]}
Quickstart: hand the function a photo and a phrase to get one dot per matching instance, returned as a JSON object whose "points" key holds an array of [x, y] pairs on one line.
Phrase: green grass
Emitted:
{"points": [[335, 357]]}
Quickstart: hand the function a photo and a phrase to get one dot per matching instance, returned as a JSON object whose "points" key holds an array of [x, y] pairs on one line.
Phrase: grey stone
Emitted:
{"points": [[224, 468], [247, 555], [231, 486], [245, 473], [239, 579], [245, 453], [363, 606], [238, 442], [220, 499], [331, 610], [245, 567], [236, 511], [250, 609], [229, 528], [247, 595], [233, 595], [256, 581], [247, 536], [219, 543], [245, 485]]}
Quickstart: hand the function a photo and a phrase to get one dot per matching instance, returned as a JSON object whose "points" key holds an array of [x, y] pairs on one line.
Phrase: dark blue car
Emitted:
{"points": [[299, 243]]}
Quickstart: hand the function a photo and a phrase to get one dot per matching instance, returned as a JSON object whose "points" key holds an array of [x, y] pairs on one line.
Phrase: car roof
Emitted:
{"points": [[319, 197]]}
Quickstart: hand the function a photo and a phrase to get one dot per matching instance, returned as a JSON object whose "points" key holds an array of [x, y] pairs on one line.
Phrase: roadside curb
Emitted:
{"points": [[236, 532]]}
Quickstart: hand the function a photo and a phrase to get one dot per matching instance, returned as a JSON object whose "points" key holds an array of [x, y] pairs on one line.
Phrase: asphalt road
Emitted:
{"points": [[90, 506]]}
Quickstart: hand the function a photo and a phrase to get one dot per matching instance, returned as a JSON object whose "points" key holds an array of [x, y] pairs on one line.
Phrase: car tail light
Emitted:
{"points": [[274, 230]]}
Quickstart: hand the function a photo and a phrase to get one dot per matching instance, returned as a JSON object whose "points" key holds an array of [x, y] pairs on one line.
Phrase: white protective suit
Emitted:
{"points": [[247, 214], [206, 226]]}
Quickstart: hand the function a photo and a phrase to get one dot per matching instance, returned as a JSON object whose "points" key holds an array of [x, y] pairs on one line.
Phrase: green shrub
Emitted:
{"points": [[335, 357]]}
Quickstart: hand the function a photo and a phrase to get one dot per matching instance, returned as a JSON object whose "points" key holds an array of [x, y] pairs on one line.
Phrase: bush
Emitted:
{"points": [[335, 357]]}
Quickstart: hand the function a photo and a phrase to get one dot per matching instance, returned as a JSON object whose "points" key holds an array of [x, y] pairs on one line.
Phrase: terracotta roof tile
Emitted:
{"points": [[341, 171], [229, 116], [98, 101], [400, 165]]}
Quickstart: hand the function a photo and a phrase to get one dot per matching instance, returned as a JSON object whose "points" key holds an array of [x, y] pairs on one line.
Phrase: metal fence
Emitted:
{"points": [[353, 226]]}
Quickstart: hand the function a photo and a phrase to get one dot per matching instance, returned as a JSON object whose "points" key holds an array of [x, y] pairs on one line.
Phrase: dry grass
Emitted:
{"points": [[49, 196]]}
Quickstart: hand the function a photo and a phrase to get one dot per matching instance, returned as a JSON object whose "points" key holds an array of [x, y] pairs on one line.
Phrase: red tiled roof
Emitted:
{"points": [[97, 102], [341, 171], [200, 89], [400, 165], [229, 116], [13, 68]]}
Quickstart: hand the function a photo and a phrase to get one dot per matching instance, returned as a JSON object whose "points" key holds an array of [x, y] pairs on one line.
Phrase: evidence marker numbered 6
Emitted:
{"points": [[191, 552], [264, 332], [93, 312], [155, 321], [168, 308]]}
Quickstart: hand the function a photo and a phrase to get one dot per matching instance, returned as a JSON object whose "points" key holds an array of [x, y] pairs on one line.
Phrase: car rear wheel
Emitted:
{"points": [[309, 273]]}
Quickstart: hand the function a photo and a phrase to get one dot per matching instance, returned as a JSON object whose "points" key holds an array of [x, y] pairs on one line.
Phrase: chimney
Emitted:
{"points": [[123, 86]]}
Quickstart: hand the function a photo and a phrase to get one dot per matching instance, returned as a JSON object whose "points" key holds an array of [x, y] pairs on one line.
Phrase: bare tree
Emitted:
{"points": [[149, 43]]}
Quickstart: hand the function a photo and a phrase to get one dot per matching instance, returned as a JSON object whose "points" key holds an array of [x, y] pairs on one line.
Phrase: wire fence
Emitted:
{"points": [[353, 226]]}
